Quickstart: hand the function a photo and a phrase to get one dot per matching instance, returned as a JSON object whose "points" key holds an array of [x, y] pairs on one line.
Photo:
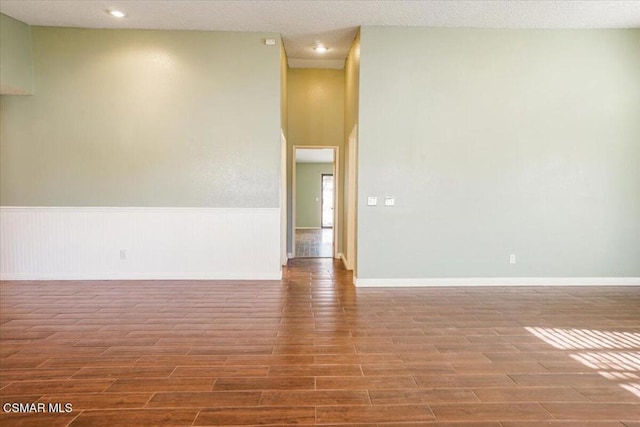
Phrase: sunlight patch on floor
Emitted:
{"points": [[585, 339], [622, 367]]}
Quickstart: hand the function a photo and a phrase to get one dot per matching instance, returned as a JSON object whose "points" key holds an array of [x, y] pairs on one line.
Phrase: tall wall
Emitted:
{"points": [[284, 149], [352, 87], [16, 63], [309, 193], [498, 142], [351, 119], [144, 118], [184, 125], [284, 111], [316, 118]]}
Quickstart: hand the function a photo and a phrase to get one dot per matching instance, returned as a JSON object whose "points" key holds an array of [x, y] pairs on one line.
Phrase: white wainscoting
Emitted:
{"points": [[69, 243]]}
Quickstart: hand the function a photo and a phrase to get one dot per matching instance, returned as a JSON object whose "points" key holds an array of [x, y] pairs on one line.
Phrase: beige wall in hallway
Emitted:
{"points": [[351, 118], [315, 118]]}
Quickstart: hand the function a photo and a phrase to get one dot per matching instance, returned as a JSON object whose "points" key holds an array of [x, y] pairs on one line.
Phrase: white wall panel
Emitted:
{"points": [[40, 243]]}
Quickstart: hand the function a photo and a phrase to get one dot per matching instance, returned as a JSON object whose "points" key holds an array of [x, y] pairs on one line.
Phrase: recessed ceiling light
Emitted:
{"points": [[116, 13], [320, 48]]}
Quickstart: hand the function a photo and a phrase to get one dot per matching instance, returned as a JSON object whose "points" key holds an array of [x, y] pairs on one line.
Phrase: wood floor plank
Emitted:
{"points": [[464, 380], [490, 411], [301, 415], [204, 399], [57, 386], [594, 411], [437, 368], [434, 395], [124, 372], [563, 424], [591, 379], [350, 383], [608, 394], [134, 385], [446, 424], [314, 397], [373, 413], [220, 371], [270, 383], [82, 401], [529, 394], [36, 420], [135, 417]]}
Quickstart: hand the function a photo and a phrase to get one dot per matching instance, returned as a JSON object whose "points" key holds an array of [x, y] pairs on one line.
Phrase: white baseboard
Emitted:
{"points": [[500, 281], [83, 243]]}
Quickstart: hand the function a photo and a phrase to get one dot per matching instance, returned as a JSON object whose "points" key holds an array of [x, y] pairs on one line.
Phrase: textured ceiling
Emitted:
{"points": [[334, 23]]}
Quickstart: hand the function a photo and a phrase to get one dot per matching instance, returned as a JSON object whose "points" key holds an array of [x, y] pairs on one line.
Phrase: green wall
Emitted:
{"points": [[499, 142], [15, 57], [145, 118], [309, 193], [284, 68]]}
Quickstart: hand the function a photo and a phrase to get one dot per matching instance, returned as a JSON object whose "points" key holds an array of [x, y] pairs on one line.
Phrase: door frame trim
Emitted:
{"points": [[336, 183], [322, 175]]}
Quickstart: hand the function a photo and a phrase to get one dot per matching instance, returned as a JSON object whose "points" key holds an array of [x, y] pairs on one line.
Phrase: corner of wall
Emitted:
{"points": [[16, 57]]}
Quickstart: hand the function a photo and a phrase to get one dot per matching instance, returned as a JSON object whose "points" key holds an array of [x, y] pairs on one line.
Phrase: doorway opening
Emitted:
{"points": [[327, 201], [314, 202]]}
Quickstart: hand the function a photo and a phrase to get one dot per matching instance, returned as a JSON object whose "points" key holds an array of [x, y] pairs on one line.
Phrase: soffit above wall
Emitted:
{"points": [[314, 155], [333, 23]]}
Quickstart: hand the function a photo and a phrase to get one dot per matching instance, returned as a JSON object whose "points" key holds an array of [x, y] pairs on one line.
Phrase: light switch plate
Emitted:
{"points": [[389, 201], [372, 201]]}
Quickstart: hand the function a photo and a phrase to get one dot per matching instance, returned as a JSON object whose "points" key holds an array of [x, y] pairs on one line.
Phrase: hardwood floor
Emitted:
{"points": [[314, 243], [313, 349]]}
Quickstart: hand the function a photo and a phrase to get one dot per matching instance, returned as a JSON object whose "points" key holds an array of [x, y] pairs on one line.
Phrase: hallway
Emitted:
{"points": [[314, 243], [313, 349]]}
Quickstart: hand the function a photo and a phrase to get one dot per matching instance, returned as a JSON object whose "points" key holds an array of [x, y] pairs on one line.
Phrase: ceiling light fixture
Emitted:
{"points": [[116, 13], [320, 48]]}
